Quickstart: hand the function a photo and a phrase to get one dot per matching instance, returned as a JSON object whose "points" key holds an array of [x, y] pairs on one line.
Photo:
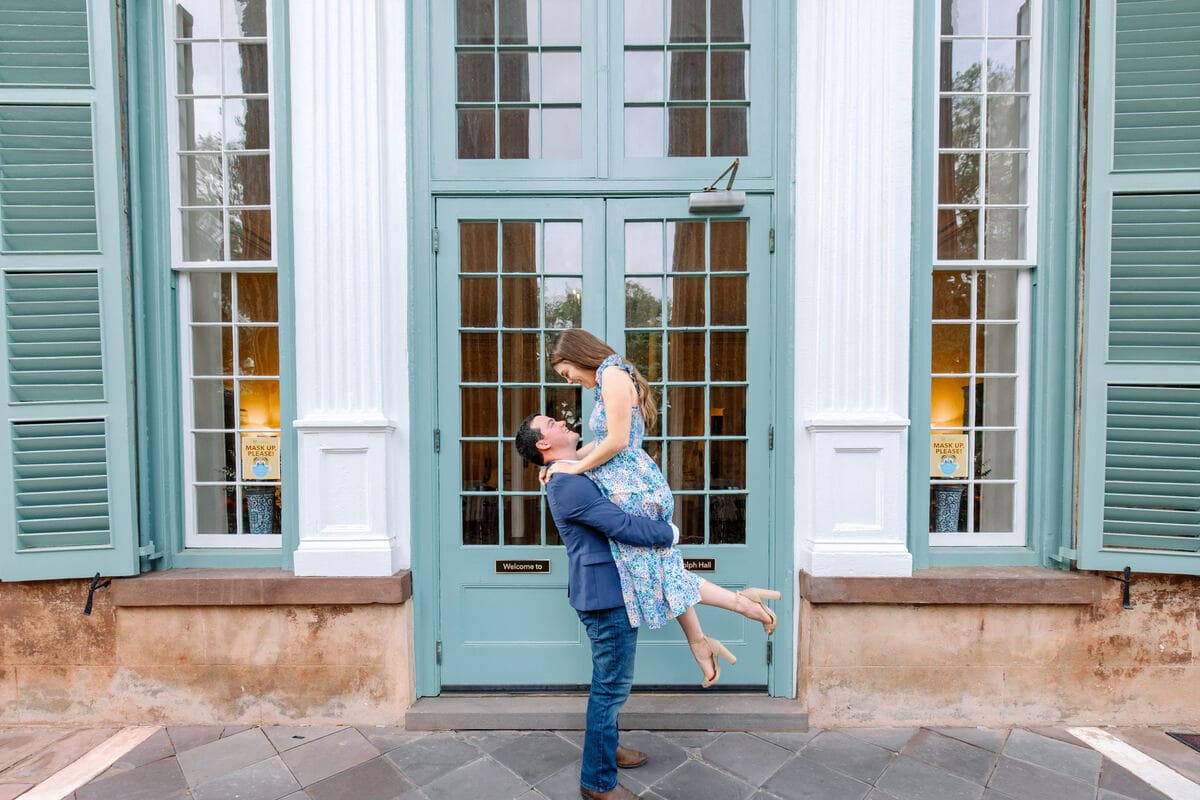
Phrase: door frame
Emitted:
{"points": [[414, 199]]}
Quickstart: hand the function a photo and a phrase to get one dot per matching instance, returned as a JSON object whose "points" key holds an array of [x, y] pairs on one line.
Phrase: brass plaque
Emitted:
{"points": [[509, 566], [700, 564]]}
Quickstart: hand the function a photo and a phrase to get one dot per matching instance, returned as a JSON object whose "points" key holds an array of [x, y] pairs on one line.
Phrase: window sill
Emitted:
{"points": [[256, 587], [959, 586]]}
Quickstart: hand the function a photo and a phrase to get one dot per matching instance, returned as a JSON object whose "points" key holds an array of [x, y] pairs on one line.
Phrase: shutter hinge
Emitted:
{"points": [[437, 440], [438, 651], [1065, 555], [436, 241], [771, 241], [770, 651], [770, 437], [147, 551]]}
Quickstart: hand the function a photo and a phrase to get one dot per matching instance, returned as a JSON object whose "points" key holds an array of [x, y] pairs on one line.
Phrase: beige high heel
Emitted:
{"points": [[758, 596], [715, 648]]}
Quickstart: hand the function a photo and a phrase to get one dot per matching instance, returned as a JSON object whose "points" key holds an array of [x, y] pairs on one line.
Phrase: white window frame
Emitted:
{"points": [[1024, 266], [186, 269]]}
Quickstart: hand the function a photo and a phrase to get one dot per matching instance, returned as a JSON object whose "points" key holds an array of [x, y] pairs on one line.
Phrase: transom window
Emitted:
{"points": [[687, 78], [519, 79], [587, 89]]}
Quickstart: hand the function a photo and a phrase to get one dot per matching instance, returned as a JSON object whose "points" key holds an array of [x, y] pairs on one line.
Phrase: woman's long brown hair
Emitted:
{"points": [[578, 347]]}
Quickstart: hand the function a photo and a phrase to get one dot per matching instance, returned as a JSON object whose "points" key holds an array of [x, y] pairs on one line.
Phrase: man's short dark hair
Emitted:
{"points": [[527, 439]]}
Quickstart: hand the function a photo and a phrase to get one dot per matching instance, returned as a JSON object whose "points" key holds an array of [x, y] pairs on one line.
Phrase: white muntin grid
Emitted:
{"points": [[974, 41], [217, 37]]}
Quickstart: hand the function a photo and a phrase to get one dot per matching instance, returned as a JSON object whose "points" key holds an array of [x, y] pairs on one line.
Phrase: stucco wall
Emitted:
{"points": [[275, 664], [1004, 665]]}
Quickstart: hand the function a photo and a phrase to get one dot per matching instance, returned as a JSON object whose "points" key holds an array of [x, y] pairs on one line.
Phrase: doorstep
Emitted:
{"points": [[659, 712]]}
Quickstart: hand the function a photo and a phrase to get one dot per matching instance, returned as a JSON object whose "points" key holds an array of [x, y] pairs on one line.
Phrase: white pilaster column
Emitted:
{"points": [[853, 232], [338, 212]]}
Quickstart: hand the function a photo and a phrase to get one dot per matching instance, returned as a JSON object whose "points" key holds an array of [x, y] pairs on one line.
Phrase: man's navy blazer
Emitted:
{"points": [[586, 520]]}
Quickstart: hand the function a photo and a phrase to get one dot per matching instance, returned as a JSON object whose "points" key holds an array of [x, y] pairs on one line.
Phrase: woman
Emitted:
{"points": [[655, 585]]}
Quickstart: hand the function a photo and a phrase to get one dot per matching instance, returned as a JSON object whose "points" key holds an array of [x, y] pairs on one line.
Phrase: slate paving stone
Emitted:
{"points": [[536, 756], [234, 730], [746, 756], [377, 779], [576, 737], [431, 757], [155, 781], [956, 757], [11, 791], [490, 741], [792, 741], [286, 738], [1031, 782], [266, 780], [1078, 762], [663, 756], [482, 779], [909, 779], [848, 755], [185, 737], [300, 795], [314, 761], [562, 785], [805, 779], [1119, 781], [875, 794], [691, 739], [38, 766], [223, 756], [892, 739], [986, 738], [157, 746], [695, 780], [386, 739]]}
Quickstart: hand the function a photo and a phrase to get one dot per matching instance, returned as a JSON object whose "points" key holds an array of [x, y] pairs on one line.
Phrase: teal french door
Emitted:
{"points": [[686, 298]]}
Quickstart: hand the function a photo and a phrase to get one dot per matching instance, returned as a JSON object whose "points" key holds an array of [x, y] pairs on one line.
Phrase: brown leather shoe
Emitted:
{"points": [[618, 792], [628, 758]]}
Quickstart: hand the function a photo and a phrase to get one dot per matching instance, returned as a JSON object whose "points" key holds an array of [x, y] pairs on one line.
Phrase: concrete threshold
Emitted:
{"points": [[656, 712]]}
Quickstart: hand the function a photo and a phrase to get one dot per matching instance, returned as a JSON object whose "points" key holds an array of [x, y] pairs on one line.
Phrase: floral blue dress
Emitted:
{"points": [[654, 583]]}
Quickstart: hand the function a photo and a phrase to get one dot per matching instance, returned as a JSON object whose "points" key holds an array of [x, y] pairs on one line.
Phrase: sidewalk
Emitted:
{"points": [[343, 763]]}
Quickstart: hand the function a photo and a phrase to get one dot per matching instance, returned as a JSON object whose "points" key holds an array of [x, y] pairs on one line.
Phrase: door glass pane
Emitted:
{"points": [[535, 267], [712, 472]]}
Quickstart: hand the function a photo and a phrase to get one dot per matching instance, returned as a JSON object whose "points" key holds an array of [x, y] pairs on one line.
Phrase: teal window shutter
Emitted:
{"points": [[66, 465], [1140, 451]]}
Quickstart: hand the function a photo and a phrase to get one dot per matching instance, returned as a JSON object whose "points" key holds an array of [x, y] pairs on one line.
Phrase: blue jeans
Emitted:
{"points": [[613, 645]]}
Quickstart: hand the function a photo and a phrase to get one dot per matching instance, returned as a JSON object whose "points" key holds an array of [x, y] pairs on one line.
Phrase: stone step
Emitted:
{"points": [[658, 712]]}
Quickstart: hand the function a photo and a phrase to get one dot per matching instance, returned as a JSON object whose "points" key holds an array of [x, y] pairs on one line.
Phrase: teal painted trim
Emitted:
{"points": [[155, 332], [781, 676], [422, 317], [1053, 314], [286, 282], [983, 557], [155, 319], [921, 284], [1052, 420]]}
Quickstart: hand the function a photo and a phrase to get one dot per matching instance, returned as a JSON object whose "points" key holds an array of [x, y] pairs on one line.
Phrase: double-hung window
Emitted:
{"points": [[984, 251], [222, 188]]}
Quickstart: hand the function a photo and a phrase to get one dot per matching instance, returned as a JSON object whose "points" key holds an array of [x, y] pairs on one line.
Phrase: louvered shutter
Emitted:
{"points": [[1139, 503], [66, 466]]}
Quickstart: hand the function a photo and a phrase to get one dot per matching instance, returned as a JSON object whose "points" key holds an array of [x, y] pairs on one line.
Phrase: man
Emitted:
{"points": [[586, 520]]}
